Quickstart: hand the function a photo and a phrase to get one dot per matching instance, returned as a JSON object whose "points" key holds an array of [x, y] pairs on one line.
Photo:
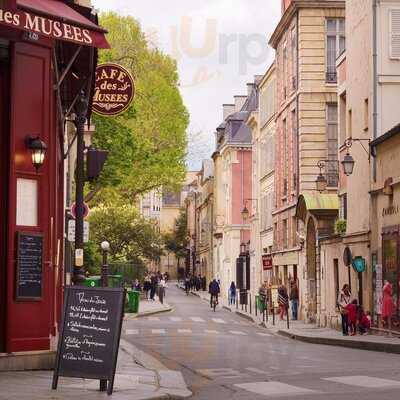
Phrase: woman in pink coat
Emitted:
{"points": [[387, 303]]}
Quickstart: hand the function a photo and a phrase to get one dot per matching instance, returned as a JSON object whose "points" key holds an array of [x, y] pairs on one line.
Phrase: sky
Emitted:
{"points": [[219, 46]]}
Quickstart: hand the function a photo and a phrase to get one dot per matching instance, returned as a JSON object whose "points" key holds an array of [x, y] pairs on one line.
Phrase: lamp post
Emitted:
{"points": [[81, 108], [105, 247], [38, 149]]}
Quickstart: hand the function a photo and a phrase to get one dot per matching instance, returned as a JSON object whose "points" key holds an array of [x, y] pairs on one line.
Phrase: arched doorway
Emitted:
{"points": [[311, 270]]}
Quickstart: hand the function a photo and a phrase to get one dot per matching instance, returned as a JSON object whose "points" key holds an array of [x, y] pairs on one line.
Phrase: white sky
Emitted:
{"points": [[219, 44]]}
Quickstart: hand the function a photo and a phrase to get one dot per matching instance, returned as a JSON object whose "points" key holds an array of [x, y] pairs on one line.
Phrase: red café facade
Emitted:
{"points": [[48, 55]]}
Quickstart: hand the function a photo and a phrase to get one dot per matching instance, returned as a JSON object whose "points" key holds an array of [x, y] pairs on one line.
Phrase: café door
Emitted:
{"points": [[4, 168]]}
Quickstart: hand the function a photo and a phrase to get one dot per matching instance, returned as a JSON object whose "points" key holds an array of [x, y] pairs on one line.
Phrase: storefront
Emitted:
{"points": [[47, 57], [386, 222]]}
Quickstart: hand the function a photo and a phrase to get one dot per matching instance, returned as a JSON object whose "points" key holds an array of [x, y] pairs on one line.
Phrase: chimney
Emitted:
{"points": [[250, 87], [228, 109], [239, 102], [285, 5]]}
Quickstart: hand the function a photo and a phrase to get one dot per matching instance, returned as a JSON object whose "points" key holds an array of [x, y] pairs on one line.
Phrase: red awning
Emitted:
{"points": [[56, 19]]}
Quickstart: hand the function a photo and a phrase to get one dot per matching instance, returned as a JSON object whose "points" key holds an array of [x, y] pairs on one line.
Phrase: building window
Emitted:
{"points": [[342, 119], [343, 206], [366, 115], [285, 157], [335, 45], [294, 59], [394, 31], [294, 231], [285, 60], [350, 125], [294, 149], [285, 234], [275, 235], [332, 167]]}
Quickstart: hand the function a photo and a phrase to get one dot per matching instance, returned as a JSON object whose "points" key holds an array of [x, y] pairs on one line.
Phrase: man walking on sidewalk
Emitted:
{"points": [[294, 299]]}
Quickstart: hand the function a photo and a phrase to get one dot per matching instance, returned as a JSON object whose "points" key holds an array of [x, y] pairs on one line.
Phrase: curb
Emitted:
{"points": [[129, 316], [245, 316], [370, 346]]}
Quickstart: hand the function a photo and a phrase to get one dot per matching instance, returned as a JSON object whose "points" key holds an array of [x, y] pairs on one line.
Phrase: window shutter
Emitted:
{"points": [[395, 33]]}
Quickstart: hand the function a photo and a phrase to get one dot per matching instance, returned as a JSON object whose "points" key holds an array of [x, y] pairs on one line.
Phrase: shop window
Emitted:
{"points": [[27, 202]]}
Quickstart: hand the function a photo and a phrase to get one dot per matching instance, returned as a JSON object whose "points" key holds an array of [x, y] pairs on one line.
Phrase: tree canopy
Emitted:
{"points": [[147, 144]]}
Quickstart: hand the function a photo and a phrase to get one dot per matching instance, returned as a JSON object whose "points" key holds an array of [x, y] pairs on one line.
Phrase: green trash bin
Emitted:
{"points": [[133, 300], [93, 281]]}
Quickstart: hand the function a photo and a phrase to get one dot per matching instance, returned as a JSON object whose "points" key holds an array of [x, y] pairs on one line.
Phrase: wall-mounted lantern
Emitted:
{"points": [[38, 150], [321, 181], [348, 161]]}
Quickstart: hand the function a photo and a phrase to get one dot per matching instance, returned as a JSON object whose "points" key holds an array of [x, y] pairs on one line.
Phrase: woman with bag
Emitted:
{"points": [[344, 299]]}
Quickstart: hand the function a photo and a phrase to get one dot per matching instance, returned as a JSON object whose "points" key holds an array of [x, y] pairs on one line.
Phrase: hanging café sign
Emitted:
{"points": [[90, 35], [114, 90]]}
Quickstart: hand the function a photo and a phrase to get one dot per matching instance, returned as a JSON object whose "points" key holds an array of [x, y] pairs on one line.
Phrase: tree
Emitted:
{"points": [[176, 242], [147, 144], [131, 237]]}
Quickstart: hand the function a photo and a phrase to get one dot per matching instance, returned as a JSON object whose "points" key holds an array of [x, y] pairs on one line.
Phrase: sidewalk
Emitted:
{"points": [[311, 333], [139, 376]]}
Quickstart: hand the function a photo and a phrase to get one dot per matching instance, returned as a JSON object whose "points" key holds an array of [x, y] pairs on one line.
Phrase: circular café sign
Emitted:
{"points": [[114, 90]]}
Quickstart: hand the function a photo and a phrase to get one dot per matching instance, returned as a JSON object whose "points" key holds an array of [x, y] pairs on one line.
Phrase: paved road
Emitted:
{"points": [[223, 356]]}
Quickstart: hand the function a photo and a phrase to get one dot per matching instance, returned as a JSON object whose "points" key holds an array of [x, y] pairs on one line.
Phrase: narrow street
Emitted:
{"points": [[223, 356]]}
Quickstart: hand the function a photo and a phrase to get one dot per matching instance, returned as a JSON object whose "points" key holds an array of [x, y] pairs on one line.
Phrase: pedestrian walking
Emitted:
{"points": [[147, 286], [344, 298], [294, 299], [153, 287], [387, 304], [162, 285], [232, 294], [283, 301]]}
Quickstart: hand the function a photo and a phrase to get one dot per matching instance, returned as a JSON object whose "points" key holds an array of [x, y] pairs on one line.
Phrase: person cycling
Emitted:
{"points": [[214, 291]]}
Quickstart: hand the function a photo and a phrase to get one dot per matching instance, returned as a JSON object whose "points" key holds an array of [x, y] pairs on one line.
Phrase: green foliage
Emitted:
{"points": [[130, 236], [146, 144], [176, 242], [340, 226]]}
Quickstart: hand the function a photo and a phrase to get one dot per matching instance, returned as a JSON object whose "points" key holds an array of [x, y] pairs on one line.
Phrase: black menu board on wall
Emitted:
{"points": [[29, 277], [91, 330]]}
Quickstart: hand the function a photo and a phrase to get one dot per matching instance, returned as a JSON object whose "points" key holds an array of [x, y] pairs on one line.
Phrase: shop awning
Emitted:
{"points": [[54, 19], [315, 202]]}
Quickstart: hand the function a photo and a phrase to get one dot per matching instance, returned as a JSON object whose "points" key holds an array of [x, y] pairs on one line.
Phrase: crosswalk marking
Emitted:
{"points": [[264, 334], [153, 318], [197, 319], [364, 381], [132, 332], [158, 331], [211, 331], [184, 331], [270, 389], [256, 370], [238, 333], [175, 319], [218, 320]]}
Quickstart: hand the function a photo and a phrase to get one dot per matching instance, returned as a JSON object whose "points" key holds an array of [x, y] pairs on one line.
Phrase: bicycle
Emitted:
{"points": [[214, 302]]}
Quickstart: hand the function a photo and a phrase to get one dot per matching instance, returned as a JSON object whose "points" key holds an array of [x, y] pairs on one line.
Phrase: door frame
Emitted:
{"points": [[4, 190]]}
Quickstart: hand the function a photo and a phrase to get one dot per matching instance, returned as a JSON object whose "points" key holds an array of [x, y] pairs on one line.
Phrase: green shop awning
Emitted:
{"points": [[317, 203]]}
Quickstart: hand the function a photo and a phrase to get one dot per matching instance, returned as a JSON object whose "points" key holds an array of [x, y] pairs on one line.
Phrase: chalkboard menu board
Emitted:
{"points": [[29, 277], [91, 330]]}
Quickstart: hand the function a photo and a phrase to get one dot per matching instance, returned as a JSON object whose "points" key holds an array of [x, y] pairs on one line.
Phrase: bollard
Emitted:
{"points": [[250, 302], [273, 315], [287, 315], [237, 300], [266, 311], [256, 304], [245, 303]]}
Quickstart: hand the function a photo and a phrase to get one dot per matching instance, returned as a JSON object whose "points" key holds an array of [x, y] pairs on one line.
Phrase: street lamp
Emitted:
{"points": [[321, 181], [348, 161], [348, 164], [245, 212], [105, 247], [38, 149]]}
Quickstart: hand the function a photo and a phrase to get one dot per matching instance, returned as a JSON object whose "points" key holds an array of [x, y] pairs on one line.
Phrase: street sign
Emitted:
{"points": [[86, 210], [90, 334], [71, 231], [359, 264]]}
